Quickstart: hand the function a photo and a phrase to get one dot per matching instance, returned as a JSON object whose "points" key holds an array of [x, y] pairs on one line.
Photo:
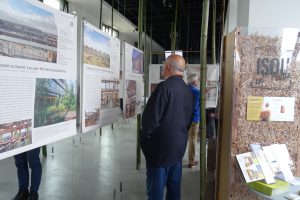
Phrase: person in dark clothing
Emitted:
{"points": [[22, 160], [165, 124]]}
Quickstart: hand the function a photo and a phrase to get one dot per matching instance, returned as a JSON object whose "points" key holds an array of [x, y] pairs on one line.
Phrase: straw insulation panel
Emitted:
{"points": [[268, 78]]}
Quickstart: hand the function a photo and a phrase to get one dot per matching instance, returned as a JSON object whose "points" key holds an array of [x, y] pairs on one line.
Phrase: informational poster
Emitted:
{"points": [[133, 81], [271, 109], [100, 79], [212, 82], [155, 77], [38, 71]]}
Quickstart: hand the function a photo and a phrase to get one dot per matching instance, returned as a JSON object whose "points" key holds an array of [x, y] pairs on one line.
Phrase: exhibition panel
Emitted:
{"points": [[38, 76], [133, 80], [100, 78], [212, 83]]}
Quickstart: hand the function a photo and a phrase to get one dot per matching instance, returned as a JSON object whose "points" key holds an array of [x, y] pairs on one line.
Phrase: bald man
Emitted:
{"points": [[165, 124]]}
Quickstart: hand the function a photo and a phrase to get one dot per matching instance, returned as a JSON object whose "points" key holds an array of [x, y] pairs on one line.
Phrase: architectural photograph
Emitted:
{"points": [[92, 117], [130, 98], [137, 61], [110, 93], [55, 101], [27, 32], [96, 49], [14, 135]]}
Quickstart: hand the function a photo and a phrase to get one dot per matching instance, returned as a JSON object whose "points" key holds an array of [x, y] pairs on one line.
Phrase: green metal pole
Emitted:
{"points": [[214, 4], [139, 117], [100, 17], [172, 37], [203, 60], [112, 17], [173, 46]]}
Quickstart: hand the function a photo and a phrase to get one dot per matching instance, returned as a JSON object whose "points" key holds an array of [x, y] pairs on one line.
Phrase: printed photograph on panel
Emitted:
{"points": [[109, 93], [160, 72], [15, 134], [55, 101], [96, 49], [211, 93], [130, 98], [92, 117], [137, 61], [27, 32]]}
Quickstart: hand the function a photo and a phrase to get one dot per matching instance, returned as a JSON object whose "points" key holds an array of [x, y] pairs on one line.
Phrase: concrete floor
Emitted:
{"points": [[90, 166]]}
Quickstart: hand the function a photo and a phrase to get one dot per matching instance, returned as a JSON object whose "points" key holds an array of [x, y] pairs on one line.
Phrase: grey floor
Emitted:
{"points": [[90, 166]]}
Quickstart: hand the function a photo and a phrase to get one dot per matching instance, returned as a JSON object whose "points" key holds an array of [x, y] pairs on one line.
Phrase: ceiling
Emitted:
{"points": [[160, 15]]}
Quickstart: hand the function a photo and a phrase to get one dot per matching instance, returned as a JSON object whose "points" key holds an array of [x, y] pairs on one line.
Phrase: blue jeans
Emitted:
{"points": [[22, 160], [160, 177]]}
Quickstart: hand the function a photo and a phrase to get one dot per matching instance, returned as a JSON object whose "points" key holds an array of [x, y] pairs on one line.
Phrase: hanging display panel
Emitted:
{"points": [[212, 83], [38, 75], [133, 81], [100, 78]]}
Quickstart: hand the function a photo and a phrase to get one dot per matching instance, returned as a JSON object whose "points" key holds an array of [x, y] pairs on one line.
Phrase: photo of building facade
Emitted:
{"points": [[55, 101], [130, 98], [109, 93], [14, 135], [96, 48], [22, 38], [137, 61], [92, 117]]}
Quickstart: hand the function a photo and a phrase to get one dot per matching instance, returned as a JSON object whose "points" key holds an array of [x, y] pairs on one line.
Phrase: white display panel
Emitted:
{"points": [[38, 68], [212, 82], [100, 78], [133, 81], [155, 77]]}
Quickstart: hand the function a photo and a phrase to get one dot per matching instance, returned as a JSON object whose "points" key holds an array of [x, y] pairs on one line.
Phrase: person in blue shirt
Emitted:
{"points": [[165, 124], [193, 132]]}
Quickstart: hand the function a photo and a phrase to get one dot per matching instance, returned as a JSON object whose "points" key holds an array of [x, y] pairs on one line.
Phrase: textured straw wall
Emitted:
{"points": [[250, 47]]}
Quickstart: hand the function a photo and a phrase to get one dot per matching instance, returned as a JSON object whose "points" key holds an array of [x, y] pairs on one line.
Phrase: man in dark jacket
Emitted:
{"points": [[165, 124]]}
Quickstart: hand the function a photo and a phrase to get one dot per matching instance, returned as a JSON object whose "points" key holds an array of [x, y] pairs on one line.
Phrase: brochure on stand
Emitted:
{"points": [[266, 163]]}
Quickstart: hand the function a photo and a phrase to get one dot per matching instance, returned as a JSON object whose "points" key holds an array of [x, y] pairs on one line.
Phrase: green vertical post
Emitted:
{"points": [[174, 29], [203, 60], [100, 13], [112, 17], [139, 116], [214, 5]]}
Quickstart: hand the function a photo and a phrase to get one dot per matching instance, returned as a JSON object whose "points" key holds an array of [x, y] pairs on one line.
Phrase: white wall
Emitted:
{"points": [[90, 9], [274, 13], [262, 13]]}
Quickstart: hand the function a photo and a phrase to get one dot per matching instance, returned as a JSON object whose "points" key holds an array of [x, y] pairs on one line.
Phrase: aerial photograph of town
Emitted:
{"points": [[96, 49], [27, 32]]}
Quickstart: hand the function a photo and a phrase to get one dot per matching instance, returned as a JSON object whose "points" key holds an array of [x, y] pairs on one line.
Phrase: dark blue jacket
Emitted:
{"points": [[166, 121]]}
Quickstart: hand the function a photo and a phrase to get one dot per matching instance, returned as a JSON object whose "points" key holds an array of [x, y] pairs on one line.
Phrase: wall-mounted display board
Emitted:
{"points": [[212, 83], [133, 81], [100, 78], [258, 64], [38, 71]]}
